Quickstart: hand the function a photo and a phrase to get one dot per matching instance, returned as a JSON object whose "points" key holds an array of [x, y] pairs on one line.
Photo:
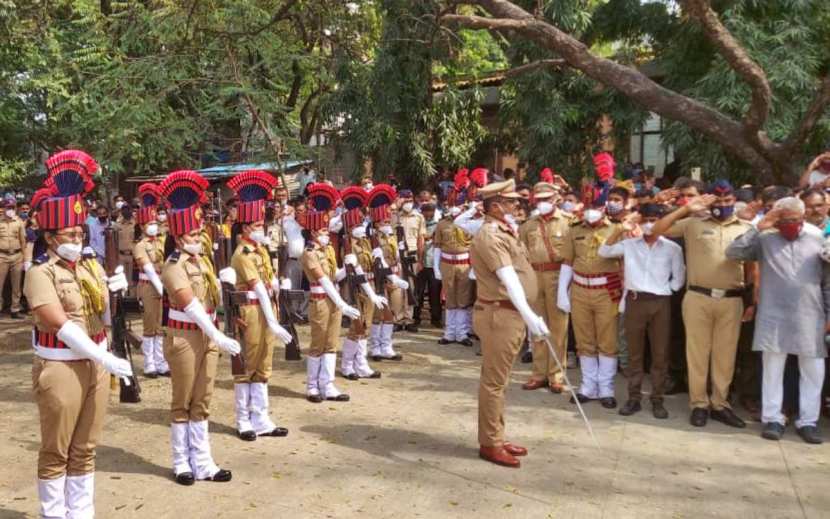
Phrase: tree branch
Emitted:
{"points": [[738, 59], [535, 65], [279, 15], [814, 112]]}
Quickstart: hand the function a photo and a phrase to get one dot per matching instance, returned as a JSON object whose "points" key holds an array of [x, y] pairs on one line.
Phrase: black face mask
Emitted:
{"points": [[102, 219]]}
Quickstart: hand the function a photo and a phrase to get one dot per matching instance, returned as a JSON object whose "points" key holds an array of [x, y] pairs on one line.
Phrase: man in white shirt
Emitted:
{"points": [[653, 270]]}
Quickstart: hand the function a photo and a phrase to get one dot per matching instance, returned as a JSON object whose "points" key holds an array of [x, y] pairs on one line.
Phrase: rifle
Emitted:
{"points": [[352, 282], [380, 273], [407, 260], [121, 346], [284, 304], [231, 299]]}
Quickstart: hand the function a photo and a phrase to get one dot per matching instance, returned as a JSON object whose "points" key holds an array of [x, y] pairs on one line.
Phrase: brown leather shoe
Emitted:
{"points": [[531, 384], [515, 450], [499, 456]]}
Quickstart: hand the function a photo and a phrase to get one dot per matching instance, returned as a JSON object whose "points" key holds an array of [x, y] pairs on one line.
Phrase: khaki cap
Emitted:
{"points": [[506, 189], [544, 190]]}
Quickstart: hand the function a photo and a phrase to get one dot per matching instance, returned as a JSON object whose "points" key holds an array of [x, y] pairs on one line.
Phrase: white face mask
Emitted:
{"points": [[70, 251], [593, 216], [510, 219], [10, 213], [407, 207], [359, 232], [545, 207], [152, 230], [194, 249], [568, 206], [368, 187], [615, 207], [119, 204], [258, 236], [647, 228], [386, 229], [455, 211], [323, 240], [162, 217]]}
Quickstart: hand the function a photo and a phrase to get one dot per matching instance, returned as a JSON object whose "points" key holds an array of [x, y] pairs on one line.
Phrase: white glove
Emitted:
{"points": [[197, 313], [377, 253], [285, 284], [350, 259], [378, 301], [336, 224], [563, 297], [228, 275], [535, 324], [27, 265], [398, 282], [268, 309], [151, 273], [79, 342], [118, 281], [340, 274], [275, 284], [436, 263], [349, 311]]}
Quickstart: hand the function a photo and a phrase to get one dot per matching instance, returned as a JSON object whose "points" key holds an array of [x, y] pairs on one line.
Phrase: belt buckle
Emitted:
{"points": [[718, 293], [633, 294]]}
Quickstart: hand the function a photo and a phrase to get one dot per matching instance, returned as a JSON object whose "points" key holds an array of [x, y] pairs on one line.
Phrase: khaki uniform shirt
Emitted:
{"points": [[389, 246], [319, 257], [126, 236], [581, 244], [706, 240], [149, 250], [181, 270], [496, 246], [12, 235], [362, 248], [414, 227], [450, 238], [545, 237], [90, 272], [249, 262], [52, 280]]}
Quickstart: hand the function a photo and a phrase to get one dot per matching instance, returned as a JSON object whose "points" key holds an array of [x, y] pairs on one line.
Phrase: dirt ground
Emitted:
{"points": [[405, 446]]}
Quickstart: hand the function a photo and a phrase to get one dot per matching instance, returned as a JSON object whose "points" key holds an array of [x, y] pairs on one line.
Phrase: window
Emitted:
{"points": [[646, 146]]}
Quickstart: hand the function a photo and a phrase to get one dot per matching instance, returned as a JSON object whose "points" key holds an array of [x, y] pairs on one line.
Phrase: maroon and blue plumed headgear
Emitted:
{"points": [[150, 195], [184, 191], [354, 200], [380, 198], [61, 201], [253, 188], [321, 201]]}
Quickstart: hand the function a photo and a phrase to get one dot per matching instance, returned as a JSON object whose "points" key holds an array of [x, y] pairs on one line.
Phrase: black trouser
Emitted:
{"points": [[747, 380], [677, 372], [427, 285]]}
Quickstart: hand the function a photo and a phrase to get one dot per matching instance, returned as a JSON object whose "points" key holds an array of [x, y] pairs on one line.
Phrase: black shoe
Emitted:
{"points": [[397, 328], [436, 324], [699, 416], [351, 376], [375, 374], [473, 336], [276, 432], [443, 342], [658, 410], [411, 328], [582, 399], [727, 416], [527, 357], [773, 431], [396, 357], [185, 478], [376, 358], [608, 402], [164, 374], [16, 315], [810, 434], [314, 399], [466, 342], [342, 397], [151, 374], [631, 407], [247, 436], [222, 476]]}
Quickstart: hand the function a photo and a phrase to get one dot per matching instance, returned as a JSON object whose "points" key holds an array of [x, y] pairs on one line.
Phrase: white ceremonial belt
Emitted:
{"points": [[143, 277], [63, 354], [178, 315], [317, 289], [591, 282], [455, 257]]}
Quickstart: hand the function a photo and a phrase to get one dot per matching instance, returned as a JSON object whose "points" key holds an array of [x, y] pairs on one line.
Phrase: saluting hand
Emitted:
{"points": [[701, 203], [769, 220]]}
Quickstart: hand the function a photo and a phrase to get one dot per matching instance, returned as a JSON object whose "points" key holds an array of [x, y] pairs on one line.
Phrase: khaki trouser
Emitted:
{"points": [[650, 317], [712, 329], [151, 318], [126, 260], [396, 308], [72, 400], [544, 366], [358, 327], [11, 264], [502, 332], [458, 287], [192, 359], [324, 318], [258, 343], [594, 318]]}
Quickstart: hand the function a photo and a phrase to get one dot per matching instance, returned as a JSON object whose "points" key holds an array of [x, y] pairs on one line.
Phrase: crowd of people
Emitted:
{"points": [[715, 290]]}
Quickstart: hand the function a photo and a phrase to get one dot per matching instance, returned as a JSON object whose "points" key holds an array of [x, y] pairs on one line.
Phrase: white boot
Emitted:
{"points": [[200, 457], [80, 496], [179, 440], [312, 376], [148, 346], [606, 374], [259, 409], [449, 325], [242, 399], [327, 387], [347, 357], [362, 363], [388, 352], [52, 494], [375, 344], [589, 366], [158, 349]]}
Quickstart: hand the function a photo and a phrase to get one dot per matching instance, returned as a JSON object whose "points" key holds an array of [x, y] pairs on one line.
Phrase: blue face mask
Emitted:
{"points": [[722, 212], [23, 215]]}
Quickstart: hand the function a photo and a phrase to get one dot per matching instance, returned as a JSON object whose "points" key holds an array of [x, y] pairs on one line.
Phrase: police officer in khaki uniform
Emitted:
{"points": [[255, 277], [125, 234], [451, 264], [544, 236], [354, 364], [149, 258], [713, 306], [506, 288], [590, 288], [191, 337], [12, 245], [326, 307], [68, 298], [415, 232]]}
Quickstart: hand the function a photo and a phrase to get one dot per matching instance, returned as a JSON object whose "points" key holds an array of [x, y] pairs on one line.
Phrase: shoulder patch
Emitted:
{"points": [[173, 258], [40, 260], [246, 249]]}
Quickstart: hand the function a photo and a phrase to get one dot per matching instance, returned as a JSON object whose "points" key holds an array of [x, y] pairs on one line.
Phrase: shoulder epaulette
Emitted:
{"points": [[43, 258], [174, 257], [246, 249]]}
